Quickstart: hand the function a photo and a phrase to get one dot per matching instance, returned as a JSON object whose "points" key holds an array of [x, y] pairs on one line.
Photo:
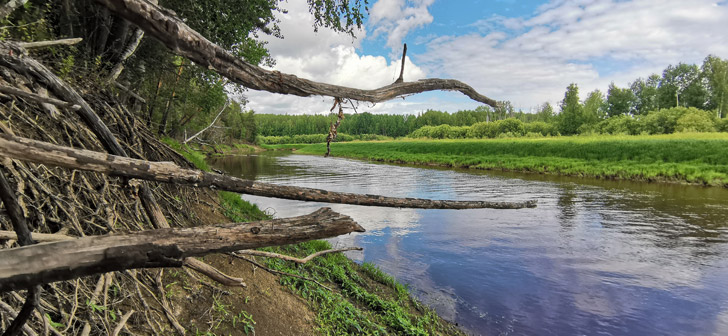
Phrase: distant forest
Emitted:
{"points": [[688, 87]]}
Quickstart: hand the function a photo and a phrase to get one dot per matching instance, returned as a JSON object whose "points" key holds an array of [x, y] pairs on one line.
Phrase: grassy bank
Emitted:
{"points": [[684, 157], [359, 300]]}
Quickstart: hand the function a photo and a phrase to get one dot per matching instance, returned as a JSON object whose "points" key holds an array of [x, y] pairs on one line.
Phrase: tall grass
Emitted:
{"points": [[689, 157]]}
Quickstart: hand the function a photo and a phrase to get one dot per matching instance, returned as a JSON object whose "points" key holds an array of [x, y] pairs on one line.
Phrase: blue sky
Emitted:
{"points": [[526, 52]]}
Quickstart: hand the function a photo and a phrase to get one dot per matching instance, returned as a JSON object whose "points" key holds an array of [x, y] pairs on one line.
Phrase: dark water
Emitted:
{"points": [[594, 258]]}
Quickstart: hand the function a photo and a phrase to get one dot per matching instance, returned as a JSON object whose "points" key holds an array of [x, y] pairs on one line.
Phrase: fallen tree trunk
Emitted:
{"points": [[43, 263], [42, 152], [183, 40]]}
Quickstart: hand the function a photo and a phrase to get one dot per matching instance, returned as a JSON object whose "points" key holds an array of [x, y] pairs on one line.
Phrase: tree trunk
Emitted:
{"points": [[38, 264], [46, 153]]}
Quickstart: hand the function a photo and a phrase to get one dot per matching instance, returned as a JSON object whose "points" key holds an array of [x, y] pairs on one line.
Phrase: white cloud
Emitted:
{"points": [[396, 18], [565, 41], [327, 57]]}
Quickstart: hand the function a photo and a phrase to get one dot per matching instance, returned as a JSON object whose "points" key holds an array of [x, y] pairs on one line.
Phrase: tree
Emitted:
{"points": [[645, 92], [620, 101], [715, 70], [594, 107], [572, 112], [545, 113], [682, 85]]}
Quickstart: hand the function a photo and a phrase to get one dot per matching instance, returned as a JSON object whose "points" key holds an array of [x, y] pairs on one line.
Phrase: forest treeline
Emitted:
{"points": [[686, 97]]}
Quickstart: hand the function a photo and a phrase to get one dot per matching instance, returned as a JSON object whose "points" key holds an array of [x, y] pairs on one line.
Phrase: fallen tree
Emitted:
{"points": [[43, 263], [46, 153]]}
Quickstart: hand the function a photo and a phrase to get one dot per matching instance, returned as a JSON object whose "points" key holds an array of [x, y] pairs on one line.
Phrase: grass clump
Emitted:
{"points": [[239, 210], [192, 155], [360, 308]]}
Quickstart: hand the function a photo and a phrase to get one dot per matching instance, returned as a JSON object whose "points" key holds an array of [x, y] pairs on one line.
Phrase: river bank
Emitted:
{"points": [[694, 158], [343, 297]]}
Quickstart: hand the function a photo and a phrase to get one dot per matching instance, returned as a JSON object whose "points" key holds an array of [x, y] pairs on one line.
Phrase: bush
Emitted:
{"points": [[722, 125], [510, 125], [695, 120], [541, 127], [621, 124], [440, 132], [482, 130], [662, 121]]}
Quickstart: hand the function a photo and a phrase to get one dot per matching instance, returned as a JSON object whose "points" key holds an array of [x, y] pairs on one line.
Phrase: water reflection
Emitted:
{"points": [[595, 257]]}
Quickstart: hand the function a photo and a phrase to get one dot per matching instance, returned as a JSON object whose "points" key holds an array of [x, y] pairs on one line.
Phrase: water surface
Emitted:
{"points": [[594, 258]]}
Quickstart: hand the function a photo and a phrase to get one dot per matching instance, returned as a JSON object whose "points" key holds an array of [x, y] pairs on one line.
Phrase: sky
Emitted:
{"points": [[523, 51]]}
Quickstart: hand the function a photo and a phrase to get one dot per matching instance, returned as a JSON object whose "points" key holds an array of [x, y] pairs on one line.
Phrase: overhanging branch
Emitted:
{"points": [[183, 40], [42, 152], [42, 263]]}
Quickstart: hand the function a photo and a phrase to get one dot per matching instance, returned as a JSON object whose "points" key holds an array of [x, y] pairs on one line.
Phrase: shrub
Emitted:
{"points": [[541, 127], [621, 124], [482, 130], [440, 132], [722, 125], [510, 125], [662, 121], [695, 120]]}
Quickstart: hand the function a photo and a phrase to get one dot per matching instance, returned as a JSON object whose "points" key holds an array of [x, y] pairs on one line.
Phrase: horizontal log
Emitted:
{"points": [[184, 41], [38, 98], [42, 152], [38, 237], [43, 263]]}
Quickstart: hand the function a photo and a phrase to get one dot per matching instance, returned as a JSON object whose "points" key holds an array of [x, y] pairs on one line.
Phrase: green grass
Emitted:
{"points": [[683, 157], [191, 154], [284, 146], [360, 309]]}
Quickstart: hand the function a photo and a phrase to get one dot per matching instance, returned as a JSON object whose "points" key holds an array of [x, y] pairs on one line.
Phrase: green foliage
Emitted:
{"points": [[512, 126], [572, 112], [482, 130], [662, 121], [695, 120], [315, 138], [619, 125], [620, 101], [541, 128], [239, 210], [722, 125], [357, 311], [197, 158]]}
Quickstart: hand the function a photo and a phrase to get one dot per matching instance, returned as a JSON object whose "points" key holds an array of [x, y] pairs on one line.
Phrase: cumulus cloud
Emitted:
{"points": [[565, 40], [396, 18], [327, 57]]}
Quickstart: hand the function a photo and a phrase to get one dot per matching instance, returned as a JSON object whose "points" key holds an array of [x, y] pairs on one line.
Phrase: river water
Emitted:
{"points": [[594, 258]]}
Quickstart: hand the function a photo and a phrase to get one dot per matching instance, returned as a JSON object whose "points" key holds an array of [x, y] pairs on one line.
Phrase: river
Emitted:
{"points": [[594, 258]]}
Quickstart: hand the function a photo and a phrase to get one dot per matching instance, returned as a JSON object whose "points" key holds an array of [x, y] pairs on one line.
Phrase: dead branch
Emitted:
{"points": [[166, 306], [272, 271], [43, 44], [46, 153], [38, 237], [10, 6], [37, 98], [122, 322], [7, 309], [333, 130], [31, 265], [213, 273], [184, 41], [130, 92], [294, 259], [401, 72], [227, 103]]}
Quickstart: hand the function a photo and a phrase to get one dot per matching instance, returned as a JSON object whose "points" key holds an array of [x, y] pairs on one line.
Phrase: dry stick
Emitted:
{"points": [[37, 264], [42, 44], [38, 237], [166, 306], [401, 73], [46, 153], [279, 272], [294, 259], [184, 41], [130, 92], [24, 239], [7, 309], [214, 273], [227, 103], [122, 323], [334, 126], [37, 97]]}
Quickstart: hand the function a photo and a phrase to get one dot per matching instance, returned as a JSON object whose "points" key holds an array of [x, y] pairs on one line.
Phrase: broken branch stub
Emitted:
{"points": [[183, 40], [42, 152], [43, 263]]}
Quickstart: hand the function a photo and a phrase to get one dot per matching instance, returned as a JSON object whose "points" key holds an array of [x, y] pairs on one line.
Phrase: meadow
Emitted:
{"points": [[698, 158]]}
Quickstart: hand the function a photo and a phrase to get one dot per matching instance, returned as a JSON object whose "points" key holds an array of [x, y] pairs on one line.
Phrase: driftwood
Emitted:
{"points": [[294, 259], [38, 237], [46, 153], [184, 41], [37, 264], [43, 44]]}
